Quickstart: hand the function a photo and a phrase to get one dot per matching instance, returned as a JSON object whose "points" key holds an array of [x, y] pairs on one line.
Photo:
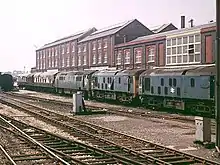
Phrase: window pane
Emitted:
{"points": [[185, 59], [197, 38], [168, 42], [191, 39], [173, 41], [191, 58], [168, 60], [173, 59], [179, 49], [197, 57], [168, 51], [184, 49], [179, 59], [174, 50], [185, 40], [197, 48], [179, 41]]}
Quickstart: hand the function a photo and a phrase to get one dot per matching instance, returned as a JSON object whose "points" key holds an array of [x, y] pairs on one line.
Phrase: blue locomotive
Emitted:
{"points": [[188, 88]]}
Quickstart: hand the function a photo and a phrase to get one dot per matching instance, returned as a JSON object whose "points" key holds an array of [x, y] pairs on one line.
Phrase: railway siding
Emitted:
{"points": [[150, 150]]}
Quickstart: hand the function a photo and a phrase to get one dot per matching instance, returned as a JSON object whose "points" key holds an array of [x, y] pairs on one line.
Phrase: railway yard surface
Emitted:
{"points": [[174, 134]]}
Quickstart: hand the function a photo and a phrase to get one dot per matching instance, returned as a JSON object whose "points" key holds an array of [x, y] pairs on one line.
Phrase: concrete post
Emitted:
{"points": [[203, 129], [77, 103]]}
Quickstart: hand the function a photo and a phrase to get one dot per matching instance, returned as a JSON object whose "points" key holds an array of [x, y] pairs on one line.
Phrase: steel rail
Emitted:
{"points": [[35, 142], [189, 157]]}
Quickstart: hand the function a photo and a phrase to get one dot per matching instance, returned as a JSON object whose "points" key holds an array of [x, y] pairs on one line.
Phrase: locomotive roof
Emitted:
{"points": [[48, 74], [131, 72], [202, 70], [165, 71], [106, 72]]}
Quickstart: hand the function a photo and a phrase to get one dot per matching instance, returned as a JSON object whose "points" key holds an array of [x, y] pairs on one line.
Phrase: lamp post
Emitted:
{"points": [[218, 74]]}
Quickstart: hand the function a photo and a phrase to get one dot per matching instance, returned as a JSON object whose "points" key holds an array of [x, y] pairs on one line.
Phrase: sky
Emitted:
{"points": [[29, 24]]}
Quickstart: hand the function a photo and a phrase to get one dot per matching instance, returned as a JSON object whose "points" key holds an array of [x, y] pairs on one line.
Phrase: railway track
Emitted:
{"points": [[72, 152], [124, 145], [21, 148], [111, 110]]}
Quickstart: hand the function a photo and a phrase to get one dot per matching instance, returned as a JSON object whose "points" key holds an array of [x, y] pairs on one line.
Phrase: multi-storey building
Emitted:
{"points": [[97, 49], [60, 54], [185, 46], [130, 45]]}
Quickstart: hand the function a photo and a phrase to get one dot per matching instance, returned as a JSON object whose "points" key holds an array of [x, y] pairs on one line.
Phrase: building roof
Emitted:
{"points": [[158, 29], [159, 36], [107, 31], [66, 39]]}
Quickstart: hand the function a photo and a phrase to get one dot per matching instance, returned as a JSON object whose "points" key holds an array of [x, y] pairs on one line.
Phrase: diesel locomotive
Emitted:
{"points": [[190, 89]]}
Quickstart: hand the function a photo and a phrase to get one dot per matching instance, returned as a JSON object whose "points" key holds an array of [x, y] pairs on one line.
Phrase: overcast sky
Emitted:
{"points": [[29, 23]]}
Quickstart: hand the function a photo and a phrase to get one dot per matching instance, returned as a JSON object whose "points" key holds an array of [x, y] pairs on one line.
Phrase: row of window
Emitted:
{"points": [[165, 90], [138, 53], [183, 50], [172, 83], [42, 64], [65, 48]]}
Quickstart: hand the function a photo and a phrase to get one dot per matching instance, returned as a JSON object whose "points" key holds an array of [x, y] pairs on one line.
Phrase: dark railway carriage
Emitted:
{"points": [[45, 81], [126, 85], [190, 89], [199, 90], [6, 82], [162, 88]]}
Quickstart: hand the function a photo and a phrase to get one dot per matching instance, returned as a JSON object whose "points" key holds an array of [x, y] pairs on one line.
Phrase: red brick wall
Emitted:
{"points": [[208, 49], [161, 54]]}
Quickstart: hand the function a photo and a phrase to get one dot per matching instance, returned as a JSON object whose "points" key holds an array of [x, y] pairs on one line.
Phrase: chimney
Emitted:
{"points": [[182, 22], [191, 22]]}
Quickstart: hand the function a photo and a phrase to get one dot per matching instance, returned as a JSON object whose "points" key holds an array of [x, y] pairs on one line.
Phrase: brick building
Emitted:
{"points": [[60, 54], [97, 49], [185, 46], [92, 48]]}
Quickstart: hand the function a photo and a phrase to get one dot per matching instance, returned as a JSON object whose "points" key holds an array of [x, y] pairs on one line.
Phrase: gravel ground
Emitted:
{"points": [[172, 134], [26, 118]]}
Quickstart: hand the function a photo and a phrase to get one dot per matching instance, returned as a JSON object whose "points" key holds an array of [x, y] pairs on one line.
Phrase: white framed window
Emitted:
{"points": [[73, 47], [48, 51], [94, 58], [79, 60], [56, 51], [63, 62], [79, 49], [67, 48], [99, 57], [127, 56], [73, 61], [99, 44], [49, 63], [52, 65], [84, 48], [105, 44], [68, 61], [56, 62], [138, 55], [184, 50], [63, 49], [105, 57], [84, 60], [93, 46], [151, 54], [118, 59]]}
